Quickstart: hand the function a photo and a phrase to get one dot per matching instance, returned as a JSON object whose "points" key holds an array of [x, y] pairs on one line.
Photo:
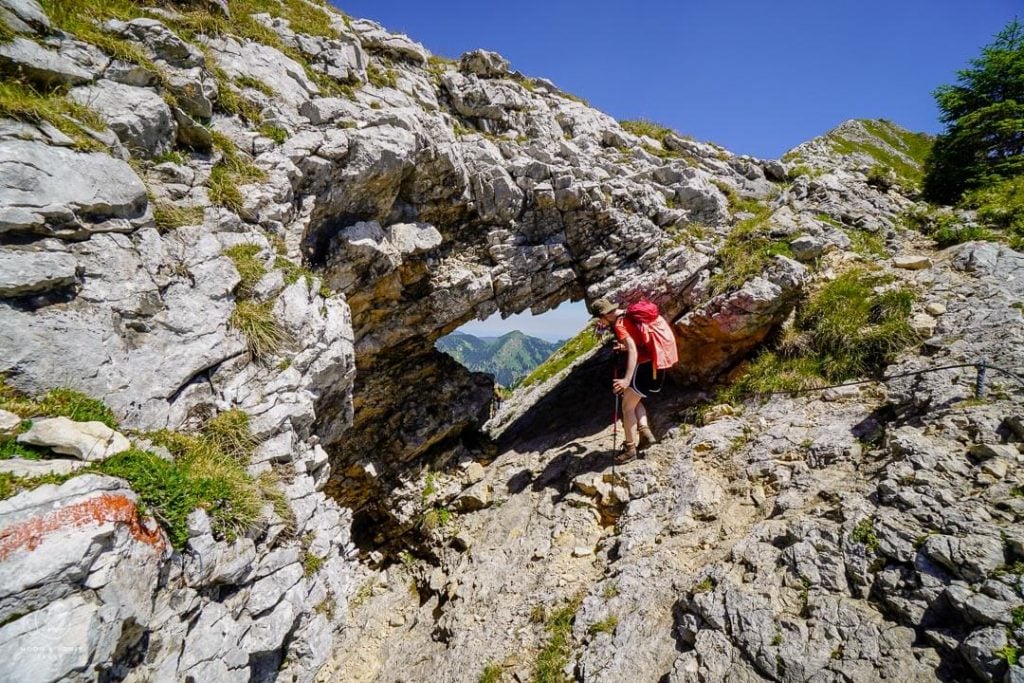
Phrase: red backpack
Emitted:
{"points": [[658, 337]]}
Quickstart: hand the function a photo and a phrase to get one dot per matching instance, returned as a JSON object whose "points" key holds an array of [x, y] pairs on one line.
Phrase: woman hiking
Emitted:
{"points": [[650, 348]]}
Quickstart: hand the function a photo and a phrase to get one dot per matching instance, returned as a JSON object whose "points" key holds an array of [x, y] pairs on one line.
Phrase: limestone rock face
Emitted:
{"points": [[54, 190], [267, 65], [364, 200], [29, 59], [140, 117], [24, 16], [732, 324], [27, 272], [79, 568]]}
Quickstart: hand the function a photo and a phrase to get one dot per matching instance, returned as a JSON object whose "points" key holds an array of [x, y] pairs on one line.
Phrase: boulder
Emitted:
{"points": [[912, 262], [775, 170], [375, 39], [807, 247], [413, 238], [46, 189], [140, 118], [24, 16], [158, 40], [980, 650], [984, 451], [484, 64], [79, 567], [487, 99], [923, 324], [476, 497], [344, 60], [8, 421], [31, 272], [91, 441], [193, 93], [24, 57], [283, 75]]}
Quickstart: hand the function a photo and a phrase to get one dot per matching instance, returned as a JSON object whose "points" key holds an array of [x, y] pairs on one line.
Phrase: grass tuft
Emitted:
{"points": [[311, 564], [10, 448], [255, 320], [381, 78], [232, 170], [249, 265], [278, 135], [854, 330], [201, 477], [437, 518], [646, 127], [556, 652], [60, 401], [255, 84], [229, 433], [491, 673], [171, 216], [76, 406], [22, 102], [604, 626]]}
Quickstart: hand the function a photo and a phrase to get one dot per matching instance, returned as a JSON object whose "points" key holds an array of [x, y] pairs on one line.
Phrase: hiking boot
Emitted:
{"points": [[627, 453], [647, 437]]}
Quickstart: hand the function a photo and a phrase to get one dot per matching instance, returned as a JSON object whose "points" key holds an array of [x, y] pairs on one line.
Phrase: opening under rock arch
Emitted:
{"points": [[510, 349]]}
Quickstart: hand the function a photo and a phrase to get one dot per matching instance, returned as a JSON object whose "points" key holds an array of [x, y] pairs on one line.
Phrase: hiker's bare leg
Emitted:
{"points": [[630, 400], [641, 414]]}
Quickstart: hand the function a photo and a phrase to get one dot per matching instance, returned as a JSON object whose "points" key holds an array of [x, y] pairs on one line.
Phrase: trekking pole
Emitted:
{"points": [[615, 424], [615, 434], [615, 415]]}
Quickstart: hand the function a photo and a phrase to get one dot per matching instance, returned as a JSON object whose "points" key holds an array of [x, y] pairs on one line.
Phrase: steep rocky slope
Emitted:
{"points": [[280, 213]]}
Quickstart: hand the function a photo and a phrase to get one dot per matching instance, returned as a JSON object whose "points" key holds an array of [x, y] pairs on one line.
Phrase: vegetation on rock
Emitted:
{"points": [[851, 327], [555, 653], [891, 148], [748, 248], [61, 401], [22, 102], [582, 343]]}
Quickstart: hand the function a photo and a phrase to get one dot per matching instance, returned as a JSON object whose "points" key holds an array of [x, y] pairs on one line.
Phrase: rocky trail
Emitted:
{"points": [[732, 551]]}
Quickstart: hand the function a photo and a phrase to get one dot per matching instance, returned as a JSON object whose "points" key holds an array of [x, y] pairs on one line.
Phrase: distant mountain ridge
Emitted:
{"points": [[509, 357]]}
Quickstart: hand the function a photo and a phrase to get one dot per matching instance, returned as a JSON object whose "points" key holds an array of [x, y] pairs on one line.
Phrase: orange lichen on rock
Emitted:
{"points": [[28, 534]]}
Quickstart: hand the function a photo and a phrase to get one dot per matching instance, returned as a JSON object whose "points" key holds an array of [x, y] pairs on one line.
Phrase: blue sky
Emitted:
{"points": [[756, 76], [557, 324]]}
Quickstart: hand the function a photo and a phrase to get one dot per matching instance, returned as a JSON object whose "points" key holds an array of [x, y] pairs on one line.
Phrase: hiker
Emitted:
{"points": [[647, 339], [496, 399]]}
